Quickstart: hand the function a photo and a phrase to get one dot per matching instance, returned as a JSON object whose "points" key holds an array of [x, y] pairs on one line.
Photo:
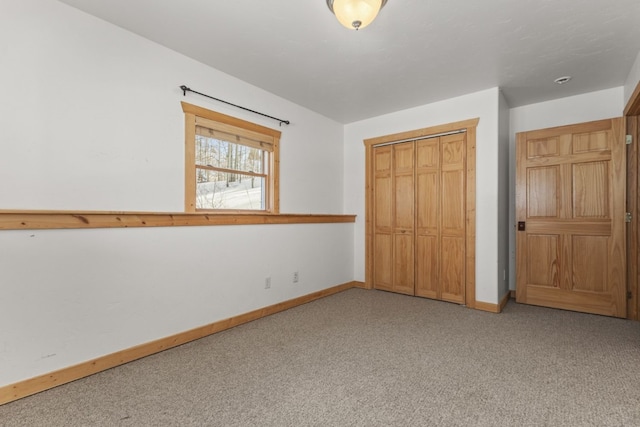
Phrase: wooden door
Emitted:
{"points": [[419, 218], [383, 219], [570, 215], [440, 217], [403, 218], [394, 218]]}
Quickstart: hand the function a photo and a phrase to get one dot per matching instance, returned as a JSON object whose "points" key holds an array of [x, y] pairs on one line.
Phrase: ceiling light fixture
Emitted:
{"points": [[356, 14], [562, 80]]}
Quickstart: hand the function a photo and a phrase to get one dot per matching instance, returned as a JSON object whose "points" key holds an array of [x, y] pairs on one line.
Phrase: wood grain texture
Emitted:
{"points": [[223, 118], [369, 217], [494, 308], [542, 192], [44, 382], [428, 254], [573, 205], [632, 113], [633, 260], [591, 190], [189, 163], [383, 219], [633, 105], [420, 133], [544, 257], [273, 190], [442, 214], [38, 220], [403, 214], [470, 218], [617, 244]]}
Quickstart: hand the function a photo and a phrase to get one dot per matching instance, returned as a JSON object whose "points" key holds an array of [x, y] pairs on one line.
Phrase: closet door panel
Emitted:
{"points": [[403, 264], [452, 206], [427, 218], [452, 266], [403, 209], [452, 219], [427, 261], [383, 262], [383, 219], [403, 218]]}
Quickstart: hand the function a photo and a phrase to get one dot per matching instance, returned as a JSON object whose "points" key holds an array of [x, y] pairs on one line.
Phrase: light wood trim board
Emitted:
{"points": [[229, 120], [493, 308], [632, 116], [633, 232], [44, 382], [37, 220], [421, 133], [633, 105]]}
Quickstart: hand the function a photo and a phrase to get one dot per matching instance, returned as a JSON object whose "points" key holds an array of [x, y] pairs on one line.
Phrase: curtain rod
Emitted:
{"points": [[185, 89]]}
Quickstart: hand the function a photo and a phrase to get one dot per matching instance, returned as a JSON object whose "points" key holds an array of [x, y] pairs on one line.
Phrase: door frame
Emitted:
{"points": [[632, 119], [468, 126]]}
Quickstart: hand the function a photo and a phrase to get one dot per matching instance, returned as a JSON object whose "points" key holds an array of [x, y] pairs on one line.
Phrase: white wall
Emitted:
{"points": [[90, 119], [598, 105], [632, 80], [503, 196], [481, 104]]}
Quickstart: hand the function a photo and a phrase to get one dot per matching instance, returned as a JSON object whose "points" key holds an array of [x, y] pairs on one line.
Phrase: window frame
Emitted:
{"points": [[272, 182]]}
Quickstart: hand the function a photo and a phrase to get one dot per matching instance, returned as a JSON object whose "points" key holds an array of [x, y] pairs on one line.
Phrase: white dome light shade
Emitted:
{"points": [[355, 14]]}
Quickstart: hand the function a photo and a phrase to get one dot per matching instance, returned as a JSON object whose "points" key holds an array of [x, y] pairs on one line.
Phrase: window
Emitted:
{"points": [[231, 165]]}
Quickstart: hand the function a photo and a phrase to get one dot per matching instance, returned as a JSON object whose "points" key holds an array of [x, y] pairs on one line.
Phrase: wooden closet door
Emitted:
{"points": [[428, 218], [383, 219], [452, 217], [394, 218], [419, 218], [440, 231], [403, 218]]}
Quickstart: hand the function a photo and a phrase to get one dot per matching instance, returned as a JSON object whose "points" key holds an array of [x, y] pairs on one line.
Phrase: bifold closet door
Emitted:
{"points": [[394, 237], [440, 216], [419, 218]]}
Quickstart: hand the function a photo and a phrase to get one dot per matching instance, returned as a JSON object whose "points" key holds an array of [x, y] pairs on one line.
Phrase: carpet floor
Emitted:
{"points": [[370, 358]]}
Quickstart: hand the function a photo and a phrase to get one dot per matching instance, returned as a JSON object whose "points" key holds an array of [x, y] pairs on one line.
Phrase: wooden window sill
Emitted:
{"points": [[39, 220]]}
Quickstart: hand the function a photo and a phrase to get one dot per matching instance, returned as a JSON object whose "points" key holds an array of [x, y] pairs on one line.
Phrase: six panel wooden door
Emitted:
{"points": [[570, 208], [419, 218]]}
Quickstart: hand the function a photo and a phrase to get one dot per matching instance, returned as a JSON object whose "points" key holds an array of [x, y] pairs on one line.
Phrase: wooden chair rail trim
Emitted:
{"points": [[44, 382], [37, 220]]}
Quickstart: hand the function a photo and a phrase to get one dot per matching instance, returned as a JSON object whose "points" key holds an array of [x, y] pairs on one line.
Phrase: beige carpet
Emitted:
{"points": [[369, 358]]}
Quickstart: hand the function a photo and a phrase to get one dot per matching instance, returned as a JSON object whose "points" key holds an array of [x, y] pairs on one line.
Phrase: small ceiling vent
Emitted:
{"points": [[562, 80]]}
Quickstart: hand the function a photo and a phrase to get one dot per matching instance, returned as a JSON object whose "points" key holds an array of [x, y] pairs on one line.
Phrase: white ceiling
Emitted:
{"points": [[416, 52]]}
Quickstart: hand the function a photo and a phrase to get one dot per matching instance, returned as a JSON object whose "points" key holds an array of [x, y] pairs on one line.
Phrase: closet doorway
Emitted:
{"points": [[420, 212]]}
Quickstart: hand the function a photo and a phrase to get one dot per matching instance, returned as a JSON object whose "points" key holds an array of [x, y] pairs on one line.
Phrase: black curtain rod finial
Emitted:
{"points": [[186, 89]]}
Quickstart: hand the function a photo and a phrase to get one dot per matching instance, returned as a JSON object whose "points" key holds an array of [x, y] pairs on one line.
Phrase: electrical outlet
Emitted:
{"points": [[267, 283], [296, 277]]}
